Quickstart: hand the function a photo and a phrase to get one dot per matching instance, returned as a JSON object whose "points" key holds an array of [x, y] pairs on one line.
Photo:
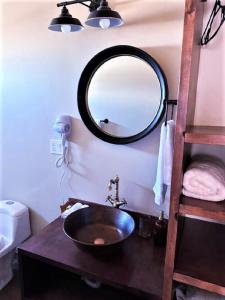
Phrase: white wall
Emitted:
{"points": [[210, 105], [41, 70], [210, 108]]}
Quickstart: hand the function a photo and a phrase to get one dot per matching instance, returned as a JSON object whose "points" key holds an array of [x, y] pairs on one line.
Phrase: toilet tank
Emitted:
{"points": [[14, 221]]}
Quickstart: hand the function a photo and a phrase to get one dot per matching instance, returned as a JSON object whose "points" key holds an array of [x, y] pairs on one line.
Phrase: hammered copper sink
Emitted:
{"points": [[98, 227]]}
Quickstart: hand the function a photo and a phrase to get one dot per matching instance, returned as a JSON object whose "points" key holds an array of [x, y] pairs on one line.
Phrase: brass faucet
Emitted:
{"points": [[116, 202]]}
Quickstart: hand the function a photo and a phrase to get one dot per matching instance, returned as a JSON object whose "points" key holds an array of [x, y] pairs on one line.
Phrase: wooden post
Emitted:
{"points": [[185, 116]]}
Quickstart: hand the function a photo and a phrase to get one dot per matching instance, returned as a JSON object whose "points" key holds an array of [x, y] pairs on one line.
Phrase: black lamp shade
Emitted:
{"points": [[104, 12], [65, 19], [56, 23]]}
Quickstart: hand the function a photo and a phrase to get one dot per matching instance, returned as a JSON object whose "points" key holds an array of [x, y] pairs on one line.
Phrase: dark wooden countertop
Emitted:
{"points": [[137, 266]]}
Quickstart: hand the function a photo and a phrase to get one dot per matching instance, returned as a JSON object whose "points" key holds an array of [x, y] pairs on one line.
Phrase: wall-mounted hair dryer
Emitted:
{"points": [[63, 125]]}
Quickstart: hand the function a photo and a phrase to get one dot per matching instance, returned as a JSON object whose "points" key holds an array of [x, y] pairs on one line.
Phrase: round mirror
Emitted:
{"points": [[121, 94]]}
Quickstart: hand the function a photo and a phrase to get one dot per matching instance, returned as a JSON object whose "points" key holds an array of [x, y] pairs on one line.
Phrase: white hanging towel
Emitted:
{"points": [[165, 162]]}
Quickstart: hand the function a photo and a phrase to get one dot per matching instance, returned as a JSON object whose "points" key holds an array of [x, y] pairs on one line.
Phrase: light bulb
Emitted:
{"points": [[104, 23], [65, 28]]}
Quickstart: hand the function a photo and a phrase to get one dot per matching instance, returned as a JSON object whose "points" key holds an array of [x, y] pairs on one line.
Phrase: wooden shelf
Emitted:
{"points": [[202, 208], [200, 258], [211, 135]]}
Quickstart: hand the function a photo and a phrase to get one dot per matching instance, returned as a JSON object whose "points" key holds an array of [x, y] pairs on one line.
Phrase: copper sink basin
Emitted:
{"points": [[98, 227]]}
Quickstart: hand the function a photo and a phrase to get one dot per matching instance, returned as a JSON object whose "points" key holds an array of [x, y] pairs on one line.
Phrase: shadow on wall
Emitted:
{"points": [[158, 15], [37, 221], [112, 158], [210, 107], [80, 134], [84, 138], [81, 139], [167, 57]]}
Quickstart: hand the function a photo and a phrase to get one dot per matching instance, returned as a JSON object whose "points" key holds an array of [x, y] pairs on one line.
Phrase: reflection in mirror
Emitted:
{"points": [[126, 91]]}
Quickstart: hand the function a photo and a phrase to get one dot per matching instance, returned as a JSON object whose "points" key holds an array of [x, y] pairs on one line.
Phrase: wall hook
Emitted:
{"points": [[169, 102], [207, 34]]}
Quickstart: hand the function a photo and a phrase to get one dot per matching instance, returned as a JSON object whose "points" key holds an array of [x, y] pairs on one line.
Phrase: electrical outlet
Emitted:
{"points": [[56, 147]]}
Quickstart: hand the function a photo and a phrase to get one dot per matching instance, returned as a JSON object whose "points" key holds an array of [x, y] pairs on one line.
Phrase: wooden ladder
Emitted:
{"points": [[195, 253], [185, 115]]}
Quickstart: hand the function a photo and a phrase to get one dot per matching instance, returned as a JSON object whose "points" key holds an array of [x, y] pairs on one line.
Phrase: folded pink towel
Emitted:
{"points": [[205, 179]]}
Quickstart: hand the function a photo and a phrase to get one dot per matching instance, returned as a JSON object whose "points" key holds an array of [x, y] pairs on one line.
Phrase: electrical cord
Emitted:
{"points": [[63, 160], [60, 185]]}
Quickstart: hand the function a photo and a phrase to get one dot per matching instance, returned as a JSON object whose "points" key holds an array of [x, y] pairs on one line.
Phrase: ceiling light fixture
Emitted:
{"points": [[100, 16]]}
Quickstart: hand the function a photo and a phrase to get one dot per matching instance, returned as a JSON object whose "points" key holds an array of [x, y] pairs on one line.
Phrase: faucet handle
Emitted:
{"points": [[123, 202], [116, 179], [110, 199], [120, 203], [110, 186]]}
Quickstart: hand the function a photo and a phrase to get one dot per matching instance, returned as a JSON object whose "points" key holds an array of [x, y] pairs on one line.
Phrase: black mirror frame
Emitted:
{"points": [[87, 75]]}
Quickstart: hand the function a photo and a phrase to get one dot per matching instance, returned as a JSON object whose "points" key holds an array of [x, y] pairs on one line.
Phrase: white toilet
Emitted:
{"points": [[14, 229]]}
